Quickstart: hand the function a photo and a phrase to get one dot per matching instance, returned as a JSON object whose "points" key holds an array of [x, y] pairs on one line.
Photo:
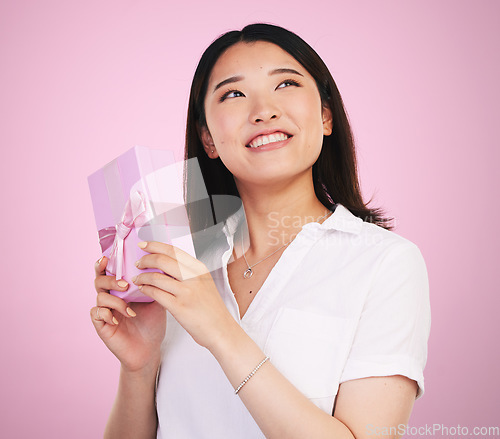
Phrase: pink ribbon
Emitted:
{"points": [[133, 216]]}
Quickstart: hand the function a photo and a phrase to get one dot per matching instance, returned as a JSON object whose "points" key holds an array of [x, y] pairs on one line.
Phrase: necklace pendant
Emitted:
{"points": [[248, 273]]}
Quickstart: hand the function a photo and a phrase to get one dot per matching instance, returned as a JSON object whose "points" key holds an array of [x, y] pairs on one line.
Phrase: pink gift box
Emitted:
{"points": [[138, 197]]}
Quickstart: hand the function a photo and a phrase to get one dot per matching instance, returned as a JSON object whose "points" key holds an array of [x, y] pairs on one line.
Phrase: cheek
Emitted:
{"points": [[308, 107], [312, 116], [222, 126]]}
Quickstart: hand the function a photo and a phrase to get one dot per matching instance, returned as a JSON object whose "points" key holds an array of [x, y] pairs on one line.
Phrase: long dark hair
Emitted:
{"points": [[335, 173]]}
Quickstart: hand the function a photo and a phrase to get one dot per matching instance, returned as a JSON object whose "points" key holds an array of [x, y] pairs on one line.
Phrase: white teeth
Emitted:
{"points": [[271, 138]]}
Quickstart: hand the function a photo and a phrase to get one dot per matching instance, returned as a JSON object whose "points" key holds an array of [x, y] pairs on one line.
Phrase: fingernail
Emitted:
{"points": [[140, 287], [131, 312], [134, 279], [122, 283], [137, 264], [100, 260], [142, 244], [115, 321]]}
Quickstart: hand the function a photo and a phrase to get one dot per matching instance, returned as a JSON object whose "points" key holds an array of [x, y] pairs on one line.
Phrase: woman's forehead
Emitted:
{"points": [[245, 57]]}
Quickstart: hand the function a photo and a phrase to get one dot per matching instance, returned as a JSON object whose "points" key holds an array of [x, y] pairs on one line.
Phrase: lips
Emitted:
{"points": [[267, 138]]}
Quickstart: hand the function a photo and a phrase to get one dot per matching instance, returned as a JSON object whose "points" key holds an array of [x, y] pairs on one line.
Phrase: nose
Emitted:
{"points": [[264, 109]]}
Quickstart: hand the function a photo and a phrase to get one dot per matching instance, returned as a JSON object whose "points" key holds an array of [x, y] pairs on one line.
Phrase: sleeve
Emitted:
{"points": [[393, 329]]}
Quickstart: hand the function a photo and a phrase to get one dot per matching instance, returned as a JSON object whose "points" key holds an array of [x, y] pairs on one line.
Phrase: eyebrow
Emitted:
{"points": [[279, 71], [227, 81], [240, 78]]}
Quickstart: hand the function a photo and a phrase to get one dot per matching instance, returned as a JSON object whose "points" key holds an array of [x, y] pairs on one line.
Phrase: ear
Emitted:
{"points": [[208, 143], [327, 121]]}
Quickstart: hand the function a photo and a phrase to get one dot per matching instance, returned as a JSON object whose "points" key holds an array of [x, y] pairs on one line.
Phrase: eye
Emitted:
{"points": [[288, 83], [231, 94]]}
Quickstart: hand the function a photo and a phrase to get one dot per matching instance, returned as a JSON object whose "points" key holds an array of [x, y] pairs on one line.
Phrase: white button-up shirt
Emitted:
{"points": [[346, 300]]}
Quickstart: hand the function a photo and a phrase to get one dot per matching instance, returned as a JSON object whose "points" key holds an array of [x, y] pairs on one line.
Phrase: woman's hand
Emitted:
{"points": [[133, 335], [187, 291]]}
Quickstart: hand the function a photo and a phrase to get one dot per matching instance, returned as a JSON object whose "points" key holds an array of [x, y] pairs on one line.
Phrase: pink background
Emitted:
{"points": [[81, 82]]}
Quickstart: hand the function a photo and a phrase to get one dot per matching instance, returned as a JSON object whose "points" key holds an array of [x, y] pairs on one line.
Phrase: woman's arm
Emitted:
{"points": [[134, 336], [134, 413], [376, 407], [280, 410], [364, 407]]}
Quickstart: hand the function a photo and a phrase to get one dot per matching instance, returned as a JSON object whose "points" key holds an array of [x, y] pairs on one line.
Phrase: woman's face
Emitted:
{"points": [[264, 115]]}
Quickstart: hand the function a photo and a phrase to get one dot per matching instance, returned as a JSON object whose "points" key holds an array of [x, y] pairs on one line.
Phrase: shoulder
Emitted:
{"points": [[385, 263], [399, 285], [399, 261], [356, 236], [388, 243], [393, 248]]}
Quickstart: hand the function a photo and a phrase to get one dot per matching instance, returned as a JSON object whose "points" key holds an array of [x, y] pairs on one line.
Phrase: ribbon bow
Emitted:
{"points": [[133, 216]]}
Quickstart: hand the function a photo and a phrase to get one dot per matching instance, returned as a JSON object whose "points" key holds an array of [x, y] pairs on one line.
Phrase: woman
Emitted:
{"points": [[303, 303]]}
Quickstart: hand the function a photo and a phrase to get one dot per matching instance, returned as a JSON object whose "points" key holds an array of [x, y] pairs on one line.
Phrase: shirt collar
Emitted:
{"points": [[233, 222], [342, 220]]}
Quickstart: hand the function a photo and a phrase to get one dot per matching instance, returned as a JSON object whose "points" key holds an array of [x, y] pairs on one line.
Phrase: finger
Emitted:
{"points": [[109, 301], [100, 266], [105, 283], [158, 280], [100, 316], [187, 266], [165, 299], [165, 263], [174, 252]]}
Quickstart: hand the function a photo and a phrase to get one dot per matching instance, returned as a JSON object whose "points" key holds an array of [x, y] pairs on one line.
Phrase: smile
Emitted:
{"points": [[267, 139]]}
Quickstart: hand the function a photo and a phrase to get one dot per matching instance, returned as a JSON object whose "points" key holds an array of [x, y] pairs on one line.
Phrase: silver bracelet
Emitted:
{"points": [[250, 375]]}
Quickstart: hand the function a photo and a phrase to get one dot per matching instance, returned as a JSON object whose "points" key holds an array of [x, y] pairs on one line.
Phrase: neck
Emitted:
{"points": [[276, 214]]}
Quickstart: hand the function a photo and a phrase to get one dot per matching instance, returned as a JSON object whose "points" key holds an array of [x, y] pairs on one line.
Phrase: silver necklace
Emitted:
{"points": [[248, 273]]}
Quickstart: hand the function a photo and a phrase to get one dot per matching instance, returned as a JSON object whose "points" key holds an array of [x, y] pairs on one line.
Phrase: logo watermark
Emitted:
{"points": [[280, 226], [433, 430]]}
